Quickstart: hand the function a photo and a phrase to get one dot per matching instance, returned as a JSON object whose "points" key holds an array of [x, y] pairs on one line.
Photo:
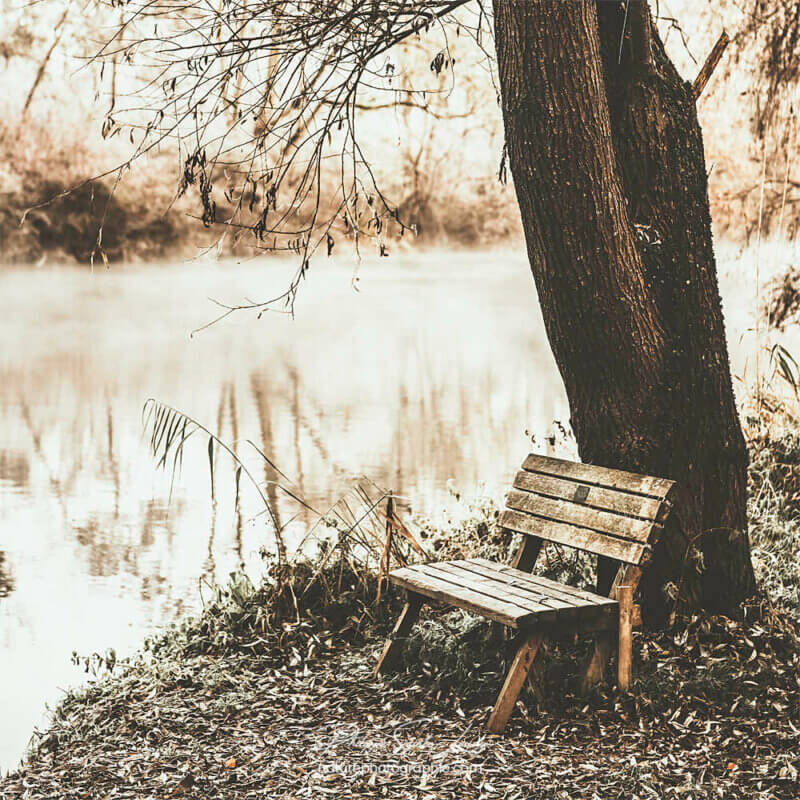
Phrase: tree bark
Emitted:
{"points": [[607, 157]]}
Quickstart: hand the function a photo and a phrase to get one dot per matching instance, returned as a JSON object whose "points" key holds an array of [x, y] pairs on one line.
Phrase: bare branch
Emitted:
{"points": [[261, 100], [710, 65]]}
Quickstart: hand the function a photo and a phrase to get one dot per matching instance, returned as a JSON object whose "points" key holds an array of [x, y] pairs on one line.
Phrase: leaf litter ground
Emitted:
{"points": [[714, 714]]}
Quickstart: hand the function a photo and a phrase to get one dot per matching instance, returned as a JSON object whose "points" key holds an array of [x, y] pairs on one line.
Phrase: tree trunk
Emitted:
{"points": [[607, 158]]}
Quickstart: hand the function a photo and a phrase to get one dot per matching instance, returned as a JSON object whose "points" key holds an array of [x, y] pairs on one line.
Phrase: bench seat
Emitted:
{"points": [[510, 596]]}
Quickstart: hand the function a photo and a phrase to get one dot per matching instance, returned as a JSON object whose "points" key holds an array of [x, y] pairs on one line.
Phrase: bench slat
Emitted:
{"points": [[658, 488], [494, 588], [501, 588], [508, 582], [628, 528], [598, 497], [581, 538], [539, 582], [568, 606], [440, 589]]}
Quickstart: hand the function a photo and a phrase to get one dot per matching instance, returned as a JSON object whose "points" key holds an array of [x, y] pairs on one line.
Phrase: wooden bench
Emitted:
{"points": [[607, 512]]}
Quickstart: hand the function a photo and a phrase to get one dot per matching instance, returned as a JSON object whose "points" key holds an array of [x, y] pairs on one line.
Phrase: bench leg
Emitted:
{"points": [[514, 682], [625, 653], [394, 645], [595, 672]]}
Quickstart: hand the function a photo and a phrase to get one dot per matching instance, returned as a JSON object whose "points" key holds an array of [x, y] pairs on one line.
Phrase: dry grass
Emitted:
{"points": [[775, 517]]}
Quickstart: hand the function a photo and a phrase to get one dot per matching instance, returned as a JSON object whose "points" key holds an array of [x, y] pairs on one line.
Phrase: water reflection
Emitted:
{"points": [[415, 380], [14, 468]]}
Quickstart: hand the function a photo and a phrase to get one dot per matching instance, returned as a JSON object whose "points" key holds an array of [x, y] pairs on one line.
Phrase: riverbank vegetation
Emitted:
{"points": [[269, 691], [69, 192], [39, 165], [441, 167]]}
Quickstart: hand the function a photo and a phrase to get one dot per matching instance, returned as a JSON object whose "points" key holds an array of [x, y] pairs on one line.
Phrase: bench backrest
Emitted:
{"points": [[604, 511]]}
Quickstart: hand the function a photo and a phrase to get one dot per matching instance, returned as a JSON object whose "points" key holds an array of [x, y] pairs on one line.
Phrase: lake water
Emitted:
{"points": [[422, 371]]}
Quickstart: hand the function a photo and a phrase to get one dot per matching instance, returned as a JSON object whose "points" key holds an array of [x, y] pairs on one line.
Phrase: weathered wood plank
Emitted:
{"points": [[580, 538], [599, 476], [605, 499], [507, 595], [569, 593], [568, 606], [507, 581], [493, 588], [489, 582], [451, 573], [438, 589], [605, 522], [568, 612]]}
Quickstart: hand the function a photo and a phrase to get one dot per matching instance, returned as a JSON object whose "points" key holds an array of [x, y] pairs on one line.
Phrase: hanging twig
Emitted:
{"points": [[59, 30]]}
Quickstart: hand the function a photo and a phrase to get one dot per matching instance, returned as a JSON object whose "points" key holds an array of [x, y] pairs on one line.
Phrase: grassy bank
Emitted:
{"points": [[269, 692]]}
